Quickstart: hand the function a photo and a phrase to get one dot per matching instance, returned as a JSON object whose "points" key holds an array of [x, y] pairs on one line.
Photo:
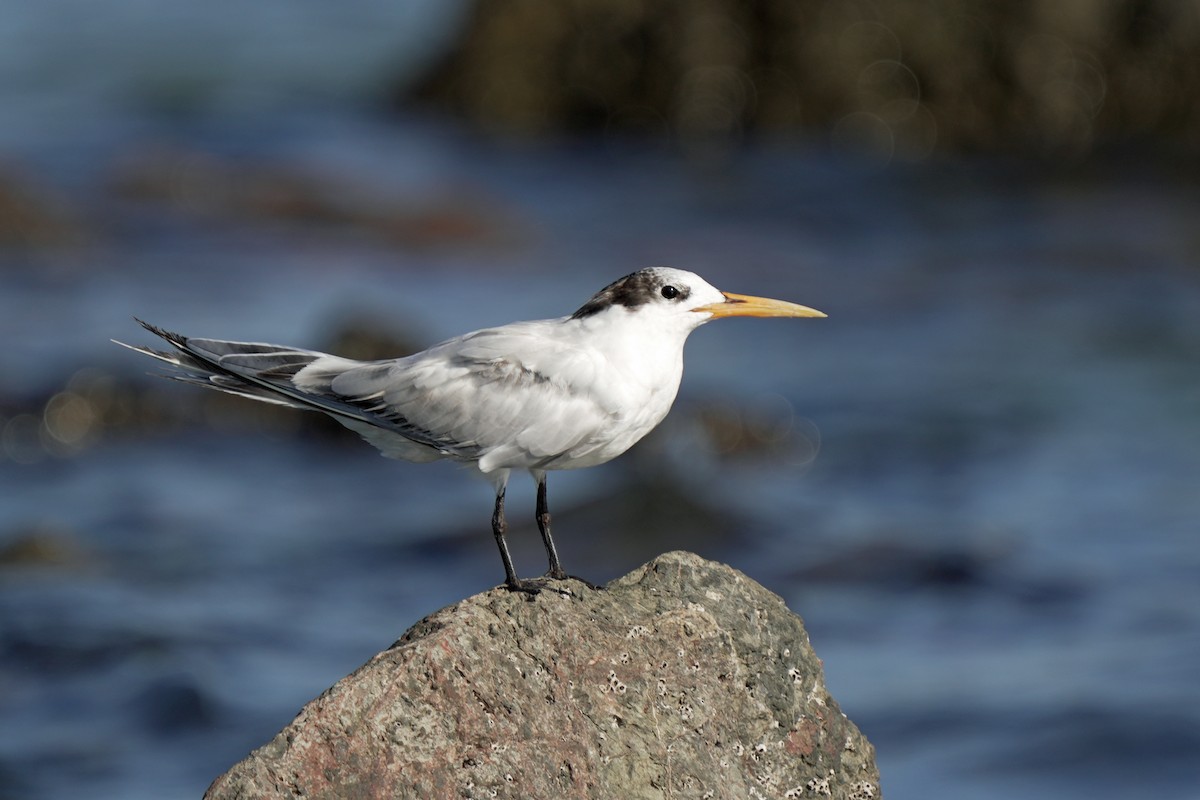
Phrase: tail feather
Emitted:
{"points": [[240, 388], [267, 373], [249, 369], [264, 360]]}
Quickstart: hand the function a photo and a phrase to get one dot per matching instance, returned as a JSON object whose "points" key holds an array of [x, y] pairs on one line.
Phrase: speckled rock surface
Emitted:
{"points": [[684, 679]]}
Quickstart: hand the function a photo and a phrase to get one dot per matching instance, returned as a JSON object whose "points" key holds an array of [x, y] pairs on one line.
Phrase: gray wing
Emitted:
{"points": [[251, 369], [267, 372], [508, 397]]}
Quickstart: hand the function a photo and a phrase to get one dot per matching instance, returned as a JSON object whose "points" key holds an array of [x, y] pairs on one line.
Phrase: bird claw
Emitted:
{"points": [[596, 586], [534, 586], [558, 574]]}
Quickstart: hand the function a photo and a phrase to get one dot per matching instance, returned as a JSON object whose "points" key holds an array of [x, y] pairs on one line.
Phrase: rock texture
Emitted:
{"points": [[684, 679]]}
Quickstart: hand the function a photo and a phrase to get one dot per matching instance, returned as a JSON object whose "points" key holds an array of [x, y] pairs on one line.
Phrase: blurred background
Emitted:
{"points": [[976, 480]]}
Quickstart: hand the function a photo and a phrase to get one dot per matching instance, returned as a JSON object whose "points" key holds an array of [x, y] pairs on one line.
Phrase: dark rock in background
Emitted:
{"points": [[895, 79], [685, 678], [34, 216], [211, 185]]}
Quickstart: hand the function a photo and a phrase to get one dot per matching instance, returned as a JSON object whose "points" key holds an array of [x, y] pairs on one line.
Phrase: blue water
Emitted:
{"points": [[976, 480]]}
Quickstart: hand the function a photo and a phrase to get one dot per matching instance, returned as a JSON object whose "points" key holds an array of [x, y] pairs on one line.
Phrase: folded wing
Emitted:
{"points": [[511, 397]]}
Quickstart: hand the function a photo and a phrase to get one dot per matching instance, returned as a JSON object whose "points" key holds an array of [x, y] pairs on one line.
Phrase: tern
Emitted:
{"points": [[543, 395]]}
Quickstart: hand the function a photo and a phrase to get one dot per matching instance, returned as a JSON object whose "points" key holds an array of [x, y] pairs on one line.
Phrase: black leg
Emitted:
{"points": [[543, 521], [499, 528]]}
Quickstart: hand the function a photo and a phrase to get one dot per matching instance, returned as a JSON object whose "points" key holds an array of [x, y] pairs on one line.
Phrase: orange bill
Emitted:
{"points": [[744, 305]]}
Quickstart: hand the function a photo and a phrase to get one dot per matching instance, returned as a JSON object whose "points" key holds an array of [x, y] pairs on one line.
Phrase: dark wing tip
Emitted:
{"points": [[176, 339]]}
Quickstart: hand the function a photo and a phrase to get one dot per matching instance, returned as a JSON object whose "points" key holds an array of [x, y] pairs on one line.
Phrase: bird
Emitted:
{"points": [[564, 393]]}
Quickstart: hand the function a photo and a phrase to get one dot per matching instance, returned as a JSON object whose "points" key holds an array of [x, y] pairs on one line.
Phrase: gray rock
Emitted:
{"points": [[684, 679]]}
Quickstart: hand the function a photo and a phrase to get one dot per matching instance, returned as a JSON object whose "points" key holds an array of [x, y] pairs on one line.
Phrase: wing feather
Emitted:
{"points": [[510, 397], [520, 396]]}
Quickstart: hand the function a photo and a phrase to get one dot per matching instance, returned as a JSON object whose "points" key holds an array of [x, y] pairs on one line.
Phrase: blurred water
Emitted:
{"points": [[975, 480]]}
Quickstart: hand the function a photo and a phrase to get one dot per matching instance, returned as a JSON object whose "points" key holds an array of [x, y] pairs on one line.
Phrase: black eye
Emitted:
{"points": [[670, 292]]}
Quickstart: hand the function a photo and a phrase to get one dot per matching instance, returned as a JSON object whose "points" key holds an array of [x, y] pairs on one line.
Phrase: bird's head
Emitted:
{"points": [[682, 299]]}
